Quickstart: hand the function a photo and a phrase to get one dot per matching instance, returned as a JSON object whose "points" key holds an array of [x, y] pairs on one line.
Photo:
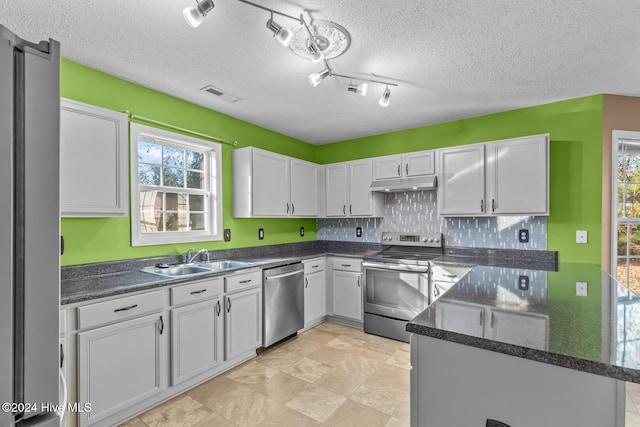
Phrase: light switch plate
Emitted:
{"points": [[581, 289], [581, 236]]}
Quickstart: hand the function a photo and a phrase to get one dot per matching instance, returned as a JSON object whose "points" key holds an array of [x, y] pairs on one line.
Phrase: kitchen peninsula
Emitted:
{"points": [[526, 348]]}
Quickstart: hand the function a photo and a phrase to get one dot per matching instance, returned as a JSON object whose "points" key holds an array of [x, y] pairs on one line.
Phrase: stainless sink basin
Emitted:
{"points": [[224, 265], [181, 270], [188, 270]]}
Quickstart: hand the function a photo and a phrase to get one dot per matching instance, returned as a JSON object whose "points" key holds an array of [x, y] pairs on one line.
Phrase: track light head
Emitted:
{"points": [[194, 15], [316, 78], [283, 35], [316, 54], [360, 89], [384, 99]]}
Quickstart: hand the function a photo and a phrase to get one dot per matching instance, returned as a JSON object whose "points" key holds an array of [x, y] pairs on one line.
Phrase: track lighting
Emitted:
{"points": [[283, 35], [194, 15], [359, 89], [384, 99], [326, 41], [316, 78]]}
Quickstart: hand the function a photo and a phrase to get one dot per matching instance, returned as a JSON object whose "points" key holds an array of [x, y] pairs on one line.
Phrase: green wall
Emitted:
{"points": [[89, 240], [575, 128]]}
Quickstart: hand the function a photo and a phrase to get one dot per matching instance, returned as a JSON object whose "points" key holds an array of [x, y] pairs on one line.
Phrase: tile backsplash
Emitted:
{"points": [[416, 211]]}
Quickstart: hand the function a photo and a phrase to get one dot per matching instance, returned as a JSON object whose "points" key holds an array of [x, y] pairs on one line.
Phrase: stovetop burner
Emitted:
{"points": [[410, 247]]}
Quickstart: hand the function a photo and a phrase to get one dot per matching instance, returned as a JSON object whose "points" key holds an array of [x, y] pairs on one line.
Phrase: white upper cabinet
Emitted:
{"points": [[461, 186], [93, 161], [348, 191], [402, 166], [267, 184], [508, 177], [517, 176]]}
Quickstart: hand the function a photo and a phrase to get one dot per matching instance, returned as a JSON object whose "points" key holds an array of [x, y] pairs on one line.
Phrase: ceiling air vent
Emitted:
{"points": [[220, 93]]}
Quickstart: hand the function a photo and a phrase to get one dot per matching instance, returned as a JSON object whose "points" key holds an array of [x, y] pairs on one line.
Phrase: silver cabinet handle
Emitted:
{"points": [[344, 209], [218, 308], [492, 318], [199, 292], [450, 275], [161, 325], [358, 281], [346, 265], [125, 308], [481, 316], [436, 290], [398, 170], [293, 209], [350, 209], [493, 205], [407, 169], [245, 281], [287, 207], [228, 305], [306, 282], [315, 266], [481, 205]]}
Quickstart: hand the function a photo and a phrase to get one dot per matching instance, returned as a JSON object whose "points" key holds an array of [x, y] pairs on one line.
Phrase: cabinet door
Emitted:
{"points": [[461, 187], [120, 365], [360, 195], [517, 176], [347, 294], [419, 163], [387, 167], [196, 339], [524, 329], [93, 161], [304, 184], [243, 322], [314, 298], [460, 318], [271, 184], [336, 189]]}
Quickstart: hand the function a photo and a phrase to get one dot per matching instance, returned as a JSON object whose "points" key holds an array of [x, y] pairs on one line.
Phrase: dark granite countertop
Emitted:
{"points": [[536, 314], [89, 282]]}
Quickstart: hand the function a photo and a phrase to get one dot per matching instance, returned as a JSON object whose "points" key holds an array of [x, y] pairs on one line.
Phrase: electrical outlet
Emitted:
{"points": [[260, 233], [581, 289], [227, 235], [523, 235], [358, 231], [581, 236], [301, 231], [523, 283]]}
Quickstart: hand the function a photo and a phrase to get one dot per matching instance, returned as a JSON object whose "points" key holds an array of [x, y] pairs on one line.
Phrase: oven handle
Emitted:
{"points": [[395, 267]]}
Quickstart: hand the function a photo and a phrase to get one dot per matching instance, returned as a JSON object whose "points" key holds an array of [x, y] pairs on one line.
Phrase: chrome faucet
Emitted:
{"points": [[190, 257]]}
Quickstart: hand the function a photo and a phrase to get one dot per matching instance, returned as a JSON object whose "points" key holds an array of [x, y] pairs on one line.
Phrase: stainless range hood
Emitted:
{"points": [[417, 183]]}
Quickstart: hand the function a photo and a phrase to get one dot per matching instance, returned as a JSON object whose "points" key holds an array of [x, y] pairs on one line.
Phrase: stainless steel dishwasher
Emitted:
{"points": [[283, 291]]}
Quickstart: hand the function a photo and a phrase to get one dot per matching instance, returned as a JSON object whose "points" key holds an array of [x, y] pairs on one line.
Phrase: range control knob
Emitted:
{"points": [[424, 239], [437, 240]]}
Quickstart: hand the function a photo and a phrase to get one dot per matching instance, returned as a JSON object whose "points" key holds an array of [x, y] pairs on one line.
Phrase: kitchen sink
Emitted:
{"points": [[224, 265], [188, 270]]}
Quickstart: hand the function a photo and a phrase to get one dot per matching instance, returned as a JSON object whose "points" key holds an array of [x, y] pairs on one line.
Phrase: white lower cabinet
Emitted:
{"points": [[120, 365], [243, 322], [346, 284], [315, 299], [196, 339]]}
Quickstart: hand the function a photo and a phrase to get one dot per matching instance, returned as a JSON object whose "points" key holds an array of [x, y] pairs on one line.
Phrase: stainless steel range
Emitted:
{"points": [[397, 282]]}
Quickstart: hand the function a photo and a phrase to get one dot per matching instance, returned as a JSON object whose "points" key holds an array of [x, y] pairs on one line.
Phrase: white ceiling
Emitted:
{"points": [[451, 58]]}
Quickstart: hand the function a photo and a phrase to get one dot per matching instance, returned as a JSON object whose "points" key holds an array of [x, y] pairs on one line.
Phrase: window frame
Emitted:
{"points": [[213, 172]]}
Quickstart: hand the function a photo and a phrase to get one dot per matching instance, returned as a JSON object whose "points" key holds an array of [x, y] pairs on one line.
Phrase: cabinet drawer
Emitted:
{"points": [[242, 281], [314, 265], [449, 273], [347, 264], [101, 313], [196, 291]]}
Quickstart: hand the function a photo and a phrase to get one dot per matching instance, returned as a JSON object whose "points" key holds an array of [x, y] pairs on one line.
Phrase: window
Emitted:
{"points": [[175, 188]]}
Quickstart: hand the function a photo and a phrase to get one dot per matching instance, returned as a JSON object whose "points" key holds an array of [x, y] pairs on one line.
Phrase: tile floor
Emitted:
{"points": [[331, 375]]}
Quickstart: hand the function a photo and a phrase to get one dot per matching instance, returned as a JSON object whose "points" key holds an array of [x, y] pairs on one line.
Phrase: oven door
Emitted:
{"points": [[391, 290]]}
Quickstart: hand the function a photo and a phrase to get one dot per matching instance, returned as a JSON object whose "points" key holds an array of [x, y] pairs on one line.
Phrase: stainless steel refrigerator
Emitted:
{"points": [[29, 230]]}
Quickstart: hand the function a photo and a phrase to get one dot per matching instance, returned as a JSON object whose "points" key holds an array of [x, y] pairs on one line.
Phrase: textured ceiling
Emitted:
{"points": [[451, 58]]}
